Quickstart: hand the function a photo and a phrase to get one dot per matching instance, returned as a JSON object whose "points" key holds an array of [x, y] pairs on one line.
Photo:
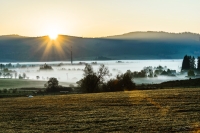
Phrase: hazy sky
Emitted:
{"points": [[95, 18]]}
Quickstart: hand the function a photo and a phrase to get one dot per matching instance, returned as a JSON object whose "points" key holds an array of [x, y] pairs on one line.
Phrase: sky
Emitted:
{"points": [[97, 18]]}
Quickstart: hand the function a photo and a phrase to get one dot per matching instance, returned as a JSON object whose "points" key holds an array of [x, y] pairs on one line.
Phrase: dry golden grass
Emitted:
{"points": [[175, 110]]}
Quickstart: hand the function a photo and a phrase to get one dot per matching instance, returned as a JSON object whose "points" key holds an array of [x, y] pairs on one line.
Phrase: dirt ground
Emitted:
{"points": [[175, 110]]}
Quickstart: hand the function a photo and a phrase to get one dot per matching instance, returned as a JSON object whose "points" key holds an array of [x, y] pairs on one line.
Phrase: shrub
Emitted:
{"points": [[14, 90], [5, 90], [121, 83], [191, 73], [89, 83], [52, 85]]}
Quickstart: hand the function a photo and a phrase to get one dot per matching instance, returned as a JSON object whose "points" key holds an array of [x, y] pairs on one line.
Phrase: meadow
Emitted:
{"points": [[24, 83], [170, 110]]}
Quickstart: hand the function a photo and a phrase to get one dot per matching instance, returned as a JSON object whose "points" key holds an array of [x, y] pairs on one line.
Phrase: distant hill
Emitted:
{"points": [[134, 45], [150, 35]]}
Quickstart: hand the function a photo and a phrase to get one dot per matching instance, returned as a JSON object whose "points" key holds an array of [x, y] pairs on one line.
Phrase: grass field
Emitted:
{"points": [[176, 110], [22, 83]]}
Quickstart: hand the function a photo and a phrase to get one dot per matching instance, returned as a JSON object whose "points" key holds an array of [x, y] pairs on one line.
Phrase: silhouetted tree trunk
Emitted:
{"points": [[192, 63], [198, 63]]}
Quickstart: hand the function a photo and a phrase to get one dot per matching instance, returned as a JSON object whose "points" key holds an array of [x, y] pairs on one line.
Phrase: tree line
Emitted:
{"points": [[190, 64], [95, 81]]}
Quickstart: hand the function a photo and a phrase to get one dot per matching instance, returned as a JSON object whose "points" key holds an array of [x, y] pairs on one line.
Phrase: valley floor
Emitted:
{"points": [[175, 110], [25, 83]]}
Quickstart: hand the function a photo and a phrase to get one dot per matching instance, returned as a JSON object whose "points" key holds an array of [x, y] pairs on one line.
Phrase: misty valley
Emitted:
{"points": [[99, 66], [71, 73]]}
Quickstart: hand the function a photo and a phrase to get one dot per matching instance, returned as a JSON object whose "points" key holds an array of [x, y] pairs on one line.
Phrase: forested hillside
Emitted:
{"points": [[135, 45]]}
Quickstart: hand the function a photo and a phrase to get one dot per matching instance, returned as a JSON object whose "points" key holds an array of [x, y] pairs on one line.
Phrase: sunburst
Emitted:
{"points": [[53, 35]]}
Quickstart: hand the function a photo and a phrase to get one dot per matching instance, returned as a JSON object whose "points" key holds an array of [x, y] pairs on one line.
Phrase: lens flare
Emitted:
{"points": [[53, 36]]}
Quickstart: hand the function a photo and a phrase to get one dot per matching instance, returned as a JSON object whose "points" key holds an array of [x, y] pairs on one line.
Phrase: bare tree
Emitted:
{"points": [[88, 70], [92, 80]]}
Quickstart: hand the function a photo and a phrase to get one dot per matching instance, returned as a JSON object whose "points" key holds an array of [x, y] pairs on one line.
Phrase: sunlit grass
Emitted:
{"points": [[175, 110]]}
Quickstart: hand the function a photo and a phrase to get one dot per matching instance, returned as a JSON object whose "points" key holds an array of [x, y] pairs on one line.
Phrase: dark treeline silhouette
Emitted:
{"points": [[182, 83], [189, 63], [46, 67], [52, 85], [93, 82], [198, 63], [188, 83]]}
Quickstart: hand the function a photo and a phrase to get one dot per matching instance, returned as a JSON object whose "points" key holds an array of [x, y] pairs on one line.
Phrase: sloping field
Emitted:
{"points": [[175, 110], [22, 83]]}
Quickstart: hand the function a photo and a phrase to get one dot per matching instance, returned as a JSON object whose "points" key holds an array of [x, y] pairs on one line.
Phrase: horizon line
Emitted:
{"points": [[104, 36]]}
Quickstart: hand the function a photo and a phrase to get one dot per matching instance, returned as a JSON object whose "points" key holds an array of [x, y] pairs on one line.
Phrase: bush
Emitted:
{"points": [[52, 85], [14, 91], [89, 84], [121, 83], [191, 73], [5, 90], [114, 85]]}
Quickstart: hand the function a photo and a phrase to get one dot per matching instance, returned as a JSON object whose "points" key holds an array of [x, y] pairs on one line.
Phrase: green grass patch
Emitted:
{"points": [[23, 83]]}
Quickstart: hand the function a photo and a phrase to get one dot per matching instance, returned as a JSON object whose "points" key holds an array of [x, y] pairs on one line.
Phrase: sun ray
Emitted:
{"points": [[40, 47], [49, 49]]}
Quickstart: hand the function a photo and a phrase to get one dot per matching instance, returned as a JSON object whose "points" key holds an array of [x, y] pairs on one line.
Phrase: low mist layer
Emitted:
{"points": [[65, 72]]}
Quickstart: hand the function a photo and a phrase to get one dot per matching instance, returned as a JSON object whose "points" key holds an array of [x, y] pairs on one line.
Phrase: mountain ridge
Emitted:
{"points": [[117, 35], [132, 45]]}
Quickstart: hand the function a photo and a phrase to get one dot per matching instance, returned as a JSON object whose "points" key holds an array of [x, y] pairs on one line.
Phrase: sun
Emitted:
{"points": [[53, 35]]}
